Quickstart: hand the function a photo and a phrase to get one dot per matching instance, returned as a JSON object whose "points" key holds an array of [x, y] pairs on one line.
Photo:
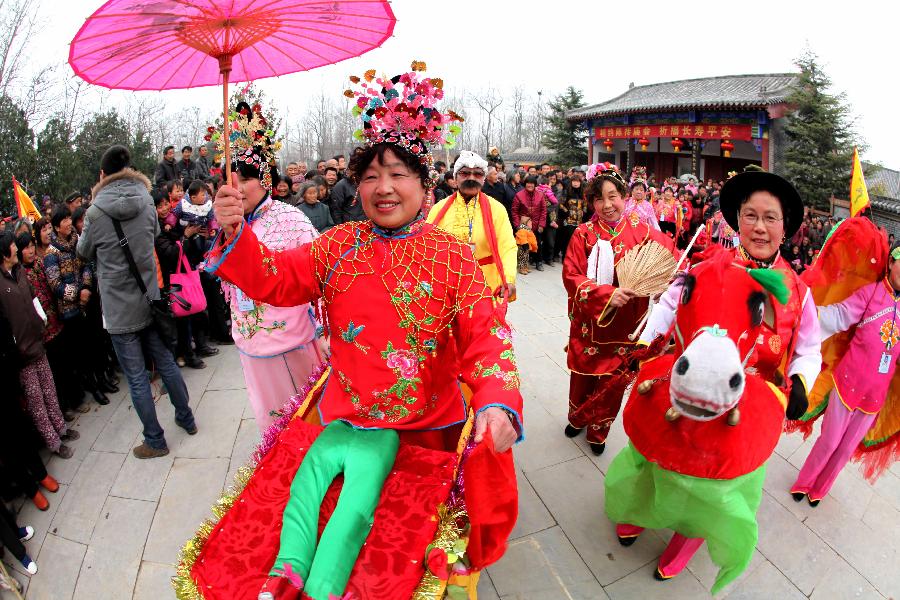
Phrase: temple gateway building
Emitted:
{"points": [[705, 127]]}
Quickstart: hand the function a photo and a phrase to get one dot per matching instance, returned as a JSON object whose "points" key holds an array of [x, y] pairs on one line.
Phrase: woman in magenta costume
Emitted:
{"points": [[857, 397]]}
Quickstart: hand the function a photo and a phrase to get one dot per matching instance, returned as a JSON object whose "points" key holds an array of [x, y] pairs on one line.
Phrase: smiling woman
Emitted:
{"points": [[391, 183], [415, 319]]}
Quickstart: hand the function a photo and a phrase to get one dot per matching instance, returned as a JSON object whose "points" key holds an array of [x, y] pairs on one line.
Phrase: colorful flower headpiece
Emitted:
{"points": [[638, 175], [403, 110], [251, 141], [605, 169]]}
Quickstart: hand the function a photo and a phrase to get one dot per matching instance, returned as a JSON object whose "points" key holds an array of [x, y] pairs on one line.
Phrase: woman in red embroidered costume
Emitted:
{"points": [[408, 311], [601, 313]]}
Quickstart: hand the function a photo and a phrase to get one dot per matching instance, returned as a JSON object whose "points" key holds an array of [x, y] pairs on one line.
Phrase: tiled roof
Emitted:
{"points": [[883, 182], [730, 91]]}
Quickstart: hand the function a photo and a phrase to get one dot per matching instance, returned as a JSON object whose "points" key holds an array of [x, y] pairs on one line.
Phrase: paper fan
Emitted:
{"points": [[646, 269]]}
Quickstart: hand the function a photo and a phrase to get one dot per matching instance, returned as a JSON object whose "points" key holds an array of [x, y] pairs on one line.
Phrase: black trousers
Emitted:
{"points": [[563, 238], [20, 464], [64, 354], [218, 310], [9, 533], [548, 245]]}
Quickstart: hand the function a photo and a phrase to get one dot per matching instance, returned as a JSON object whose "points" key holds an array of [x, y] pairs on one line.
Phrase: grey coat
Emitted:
{"points": [[124, 196]]}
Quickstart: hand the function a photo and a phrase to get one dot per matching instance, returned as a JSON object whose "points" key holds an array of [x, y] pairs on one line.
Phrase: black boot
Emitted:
{"points": [[90, 383], [194, 363], [202, 347], [597, 448], [572, 431], [104, 385], [100, 397]]}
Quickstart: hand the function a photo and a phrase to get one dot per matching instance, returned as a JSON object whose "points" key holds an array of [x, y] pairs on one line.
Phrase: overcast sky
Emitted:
{"points": [[599, 48]]}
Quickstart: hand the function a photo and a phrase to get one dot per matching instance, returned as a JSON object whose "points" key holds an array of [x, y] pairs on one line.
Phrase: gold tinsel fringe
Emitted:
{"points": [[448, 531], [185, 586]]}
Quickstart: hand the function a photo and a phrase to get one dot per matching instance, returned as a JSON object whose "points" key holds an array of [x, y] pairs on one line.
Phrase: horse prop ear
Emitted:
{"points": [[773, 282]]}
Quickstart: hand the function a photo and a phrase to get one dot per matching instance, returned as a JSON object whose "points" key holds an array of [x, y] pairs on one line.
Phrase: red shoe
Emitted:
{"points": [[40, 501], [50, 484], [279, 588]]}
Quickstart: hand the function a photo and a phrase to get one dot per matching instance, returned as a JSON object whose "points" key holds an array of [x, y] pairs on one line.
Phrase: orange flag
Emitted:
{"points": [[24, 204]]}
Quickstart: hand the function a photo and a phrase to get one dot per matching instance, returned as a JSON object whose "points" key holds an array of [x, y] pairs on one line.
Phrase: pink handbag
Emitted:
{"points": [[185, 292]]}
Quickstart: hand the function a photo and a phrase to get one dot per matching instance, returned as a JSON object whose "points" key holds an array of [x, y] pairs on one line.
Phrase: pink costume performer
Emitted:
{"points": [[641, 212], [861, 382], [279, 347]]}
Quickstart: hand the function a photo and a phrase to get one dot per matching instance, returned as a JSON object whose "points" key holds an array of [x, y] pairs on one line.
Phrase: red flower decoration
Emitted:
{"points": [[207, 137], [210, 129], [437, 563], [257, 108]]}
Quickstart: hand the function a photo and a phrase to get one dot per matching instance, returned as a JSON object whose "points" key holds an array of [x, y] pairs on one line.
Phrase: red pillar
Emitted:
{"points": [[590, 141], [765, 154]]}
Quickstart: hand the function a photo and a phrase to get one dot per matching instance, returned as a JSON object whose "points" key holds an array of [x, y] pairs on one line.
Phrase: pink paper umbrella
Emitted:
{"points": [[176, 44]]}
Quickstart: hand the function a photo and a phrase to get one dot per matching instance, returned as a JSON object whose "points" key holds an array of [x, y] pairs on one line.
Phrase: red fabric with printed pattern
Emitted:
{"points": [[240, 550]]}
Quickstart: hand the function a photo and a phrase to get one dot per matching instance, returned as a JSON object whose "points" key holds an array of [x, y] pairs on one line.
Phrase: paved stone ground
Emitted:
{"points": [[114, 529]]}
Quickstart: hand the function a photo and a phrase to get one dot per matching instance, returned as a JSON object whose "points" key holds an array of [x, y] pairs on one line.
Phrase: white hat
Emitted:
{"points": [[467, 158]]}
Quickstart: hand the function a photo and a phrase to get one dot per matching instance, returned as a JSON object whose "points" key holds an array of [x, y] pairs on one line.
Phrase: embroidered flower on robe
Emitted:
{"points": [[405, 361]]}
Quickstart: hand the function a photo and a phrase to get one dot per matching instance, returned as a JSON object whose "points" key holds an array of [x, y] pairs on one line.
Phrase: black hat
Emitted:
{"points": [[737, 189]]}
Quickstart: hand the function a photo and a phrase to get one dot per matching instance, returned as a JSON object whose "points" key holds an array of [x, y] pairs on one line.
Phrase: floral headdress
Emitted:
{"points": [[638, 175], [251, 141], [402, 111], [605, 169]]}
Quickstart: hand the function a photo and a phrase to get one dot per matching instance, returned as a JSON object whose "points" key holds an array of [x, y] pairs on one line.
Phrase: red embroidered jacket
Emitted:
{"points": [[408, 313], [598, 339]]}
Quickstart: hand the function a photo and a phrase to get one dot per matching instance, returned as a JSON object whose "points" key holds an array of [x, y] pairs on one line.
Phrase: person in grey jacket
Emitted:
{"points": [[124, 194]]}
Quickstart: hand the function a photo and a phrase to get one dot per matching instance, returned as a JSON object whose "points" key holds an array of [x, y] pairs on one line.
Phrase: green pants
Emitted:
{"points": [[365, 456]]}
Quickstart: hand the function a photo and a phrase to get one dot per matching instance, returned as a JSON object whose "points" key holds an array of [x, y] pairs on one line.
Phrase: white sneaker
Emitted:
{"points": [[29, 565], [29, 533]]}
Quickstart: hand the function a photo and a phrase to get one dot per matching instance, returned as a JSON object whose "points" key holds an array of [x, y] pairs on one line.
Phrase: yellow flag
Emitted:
{"points": [[24, 204], [859, 194]]}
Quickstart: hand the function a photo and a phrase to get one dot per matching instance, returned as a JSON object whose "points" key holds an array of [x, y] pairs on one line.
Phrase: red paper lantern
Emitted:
{"points": [[644, 142], [608, 143], [677, 144], [727, 147]]}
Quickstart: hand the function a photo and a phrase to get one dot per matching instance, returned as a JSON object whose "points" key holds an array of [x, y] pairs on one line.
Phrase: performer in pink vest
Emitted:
{"points": [[861, 380]]}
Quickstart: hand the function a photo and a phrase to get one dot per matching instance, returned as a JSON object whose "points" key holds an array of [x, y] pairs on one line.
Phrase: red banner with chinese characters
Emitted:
{"points": [[703, 132]]}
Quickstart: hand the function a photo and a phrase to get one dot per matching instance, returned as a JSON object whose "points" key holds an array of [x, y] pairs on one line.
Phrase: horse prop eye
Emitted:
{"points": [[757, 305], [688, 282]]}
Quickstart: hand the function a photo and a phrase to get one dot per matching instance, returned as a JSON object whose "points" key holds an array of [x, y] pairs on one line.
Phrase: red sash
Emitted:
{"points": [[487, 217]]}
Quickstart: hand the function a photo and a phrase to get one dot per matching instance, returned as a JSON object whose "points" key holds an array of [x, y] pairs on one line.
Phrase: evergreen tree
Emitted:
{"points": [[99, 132], [820, 137], [567, 140], [17, 154], [58, 162]]}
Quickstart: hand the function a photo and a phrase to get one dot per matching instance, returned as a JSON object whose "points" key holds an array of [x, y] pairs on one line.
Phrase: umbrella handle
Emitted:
{"points": [[225, 70]]}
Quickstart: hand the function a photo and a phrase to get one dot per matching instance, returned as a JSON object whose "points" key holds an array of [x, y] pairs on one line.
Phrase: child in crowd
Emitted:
{"points": [[526, 242], [195, 209]]}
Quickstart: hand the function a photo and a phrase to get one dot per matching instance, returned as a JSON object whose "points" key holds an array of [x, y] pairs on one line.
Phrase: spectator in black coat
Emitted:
{"points": [[166, 170], [186, 168], [498, 190], [344, 204]]}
